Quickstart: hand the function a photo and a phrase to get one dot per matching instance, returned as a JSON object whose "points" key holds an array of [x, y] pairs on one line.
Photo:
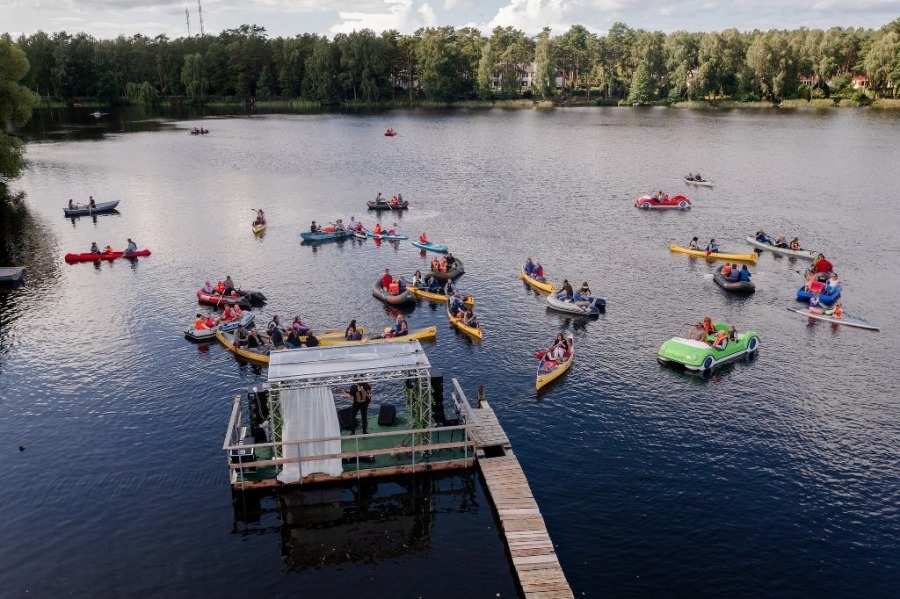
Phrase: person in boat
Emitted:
{"points": [[352, 333], [400, 327], [832, 284], [449, 287], [721, 340], [762, 237], [708, 327], [417, 279], [109, 250], [293, 340], [696, 333], [276, 332], [220, 288], [810, 280], [582, 296], [838, 311], [228, 286], [393, 230], [208, 289], [726, 270], [379, 199], [94, 248], [399, 198], [314, 228], [298, 326], [352, 224], [394, 201], [456, 304], [401, 285], [241, 337], [565, 292], [697, 177], [386, 279], [735, 274], [538, 273], [690, 177], [260, 217], [781, 242], [200, 323], [132, 247], [744, 274], [72, 204], [732, 333], [712, 247], [822, 265], [451, 262], [529, 266], [91, 202], [228, 314], [795, 243], [256, 343], [442, 264], [432, 283], [694, 244], [469, 319], [377, 230], [815, 305], [423, 238]]}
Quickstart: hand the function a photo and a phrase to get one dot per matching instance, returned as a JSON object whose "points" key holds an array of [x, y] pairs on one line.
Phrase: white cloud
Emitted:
{"points": [[396, 14], [529, 15]]}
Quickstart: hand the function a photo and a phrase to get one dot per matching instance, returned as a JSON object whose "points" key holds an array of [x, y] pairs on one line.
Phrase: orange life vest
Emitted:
{"points": [[220, 287], [423, 238], [838, 312], [726, 270], [709, 328], [720, 337], [200, 324], [394, 288], [377, 229]]}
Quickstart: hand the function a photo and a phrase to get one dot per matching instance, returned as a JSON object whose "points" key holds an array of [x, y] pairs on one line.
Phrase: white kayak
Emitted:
{"points": [[850, 321], [595, 305], [808, 254]]}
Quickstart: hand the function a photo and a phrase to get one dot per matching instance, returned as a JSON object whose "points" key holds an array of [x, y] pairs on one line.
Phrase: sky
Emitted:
{"points": [[111, 18]]}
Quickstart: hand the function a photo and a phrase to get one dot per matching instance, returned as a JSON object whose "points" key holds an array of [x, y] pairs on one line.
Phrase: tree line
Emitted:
{"points": [[445, 64]]}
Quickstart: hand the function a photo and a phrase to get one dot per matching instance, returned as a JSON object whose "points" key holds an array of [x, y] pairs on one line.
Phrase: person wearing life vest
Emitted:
{"points": [[435, 265], [200, 323], [538, 273], [838, 311], [708, 327], [377, 230], [394, 288], [220, 288], [228, 314], [795, 243], [726, 270], [386, 279], [423, 238], [721, 341], [394, 200], [109, 249]]}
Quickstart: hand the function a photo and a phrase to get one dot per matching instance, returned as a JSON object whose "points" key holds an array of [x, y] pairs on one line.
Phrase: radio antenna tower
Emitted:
{"points": [[200, 13], [187, 17]]}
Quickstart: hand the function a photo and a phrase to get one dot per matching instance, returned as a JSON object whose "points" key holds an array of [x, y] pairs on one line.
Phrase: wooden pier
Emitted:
{"points": [[530, 548]]}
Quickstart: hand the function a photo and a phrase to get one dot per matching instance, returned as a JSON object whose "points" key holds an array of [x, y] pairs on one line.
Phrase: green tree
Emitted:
{"points": [[882, 63], [319, 82], [641, 84], [438, 60], [681, 49], [544, 79], [485, 76], [193, 77], [16, 102]]}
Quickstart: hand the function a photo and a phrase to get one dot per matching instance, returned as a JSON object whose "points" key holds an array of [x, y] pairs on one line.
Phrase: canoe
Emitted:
{"points": [[11, 274], [311, 237], [257, 229], [209, 334], [388, 206], [227, 341], [212, 299], [431, 247], [386, 236], [845, 320], [714, 255], [699, 183], [438, 297], [544, 377], [456, 321], [539, 285], [426, 334], [84, 210], [395, 300], [595, 305], [360, 234], [826, 298], [727, 284], [807, 254], [72, 258], [457, 271]]}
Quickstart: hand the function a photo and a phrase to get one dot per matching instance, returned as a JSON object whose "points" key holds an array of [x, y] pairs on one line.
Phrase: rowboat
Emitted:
{"points": [[807, 254], [699, 183], [386, 236], [227, 341], [431, 247], [457, 271], [393, 299], [539, 285], [208, 334], [595, 305], [845, 320], [388, 205], [257, 229], [310, 237], [745, 287], [72, 258], [440, 297], [86, 210], [457, 321], [213, 299], [713, 255], [426, 334], [547, 375], [11, 274]]}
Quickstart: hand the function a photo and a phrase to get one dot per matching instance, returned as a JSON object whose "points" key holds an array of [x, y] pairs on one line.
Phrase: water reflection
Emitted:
{"points": [[93, 217]]}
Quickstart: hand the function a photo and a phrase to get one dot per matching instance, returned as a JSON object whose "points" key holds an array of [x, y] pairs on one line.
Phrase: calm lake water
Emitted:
{"points": [[778, 476]]}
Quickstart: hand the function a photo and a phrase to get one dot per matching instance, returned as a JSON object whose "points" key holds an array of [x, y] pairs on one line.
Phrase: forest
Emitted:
{"points": [[444, 64]]}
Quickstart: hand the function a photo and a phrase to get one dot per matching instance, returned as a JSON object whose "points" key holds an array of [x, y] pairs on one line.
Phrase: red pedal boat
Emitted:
{"points": [[678, 202], [72, 258]]}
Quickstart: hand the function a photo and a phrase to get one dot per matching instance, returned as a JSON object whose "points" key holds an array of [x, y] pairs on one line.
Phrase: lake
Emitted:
{"points": [[777, 475]]}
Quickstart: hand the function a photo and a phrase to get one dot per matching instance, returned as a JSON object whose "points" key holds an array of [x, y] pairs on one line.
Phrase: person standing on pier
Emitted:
{"points": [[361, 395]]}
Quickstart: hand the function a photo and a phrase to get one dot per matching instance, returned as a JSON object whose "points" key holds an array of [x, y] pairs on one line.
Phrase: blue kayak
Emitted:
{"points": [[318, 237], [431, 247], [387, 236]]}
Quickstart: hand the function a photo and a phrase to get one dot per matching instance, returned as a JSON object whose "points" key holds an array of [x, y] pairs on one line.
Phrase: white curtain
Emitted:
{"points": [[309, 414]]}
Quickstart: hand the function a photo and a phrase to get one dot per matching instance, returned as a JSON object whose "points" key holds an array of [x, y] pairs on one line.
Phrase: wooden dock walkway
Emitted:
{"points": [[530, 548]]}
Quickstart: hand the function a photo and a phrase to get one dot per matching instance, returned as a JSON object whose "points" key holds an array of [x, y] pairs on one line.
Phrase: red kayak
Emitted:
{"points": [[72, 258]]}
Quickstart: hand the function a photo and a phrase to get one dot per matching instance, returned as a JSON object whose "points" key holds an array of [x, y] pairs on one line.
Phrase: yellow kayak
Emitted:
{"points": [[456, 321], [257, 229], [468, 300], [540, 286], [227, 341], [545, 377], [426, 334], [714, 255]]}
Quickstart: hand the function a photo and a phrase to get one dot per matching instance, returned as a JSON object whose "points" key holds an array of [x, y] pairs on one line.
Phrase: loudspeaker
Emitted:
{"points": [[347, 419], [386, 415]]}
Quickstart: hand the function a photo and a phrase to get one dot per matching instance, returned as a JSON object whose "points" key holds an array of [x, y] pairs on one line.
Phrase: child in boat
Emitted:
{"points": [[795, 243], [815, 305], [538, 273], [423, 238], [94, 248], [726, 270]]}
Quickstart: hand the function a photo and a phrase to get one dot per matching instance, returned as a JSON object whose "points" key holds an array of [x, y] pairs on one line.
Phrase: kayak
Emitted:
{"points": [[456, 321], [845, 320], [539, 285], [439, 297], [311, 237], [386, 236], [808, 254], [208, 334], [595, 305], [713, 255], [227, 341], [727, 284], [426, 334], [72, 258], [547, 375], [257, 229], [388, 205], [700, 183], [84, 210], [394, 299], [431, 247], [457, 271]]}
